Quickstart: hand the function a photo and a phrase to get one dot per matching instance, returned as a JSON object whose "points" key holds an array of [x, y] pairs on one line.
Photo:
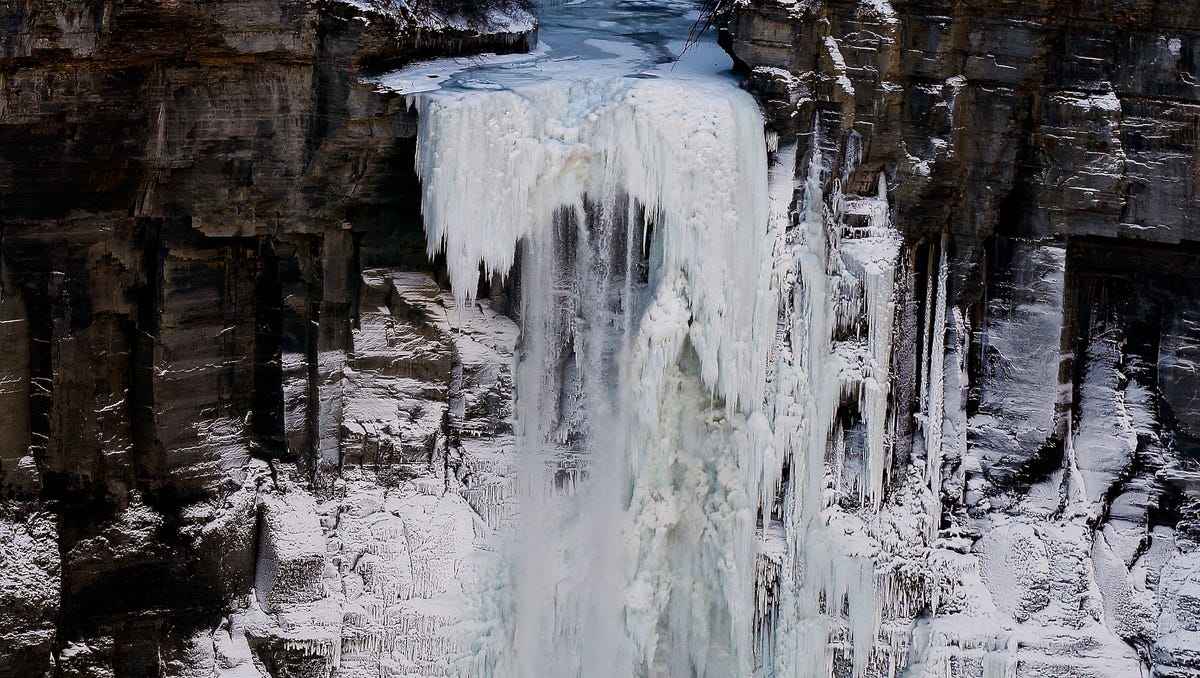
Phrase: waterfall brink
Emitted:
{"points": [[638, 211]]}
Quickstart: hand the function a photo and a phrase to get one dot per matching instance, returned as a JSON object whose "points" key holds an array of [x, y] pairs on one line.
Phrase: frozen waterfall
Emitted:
{"points": [[638, 211], [677, 368]]}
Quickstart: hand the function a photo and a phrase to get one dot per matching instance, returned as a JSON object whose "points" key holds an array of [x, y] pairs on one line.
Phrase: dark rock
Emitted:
{"points": [[187, 194]]}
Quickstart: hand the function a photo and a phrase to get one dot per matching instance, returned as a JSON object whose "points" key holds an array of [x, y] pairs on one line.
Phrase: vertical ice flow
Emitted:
{"points": [[935, 386], [638, 208], [678, 354]]}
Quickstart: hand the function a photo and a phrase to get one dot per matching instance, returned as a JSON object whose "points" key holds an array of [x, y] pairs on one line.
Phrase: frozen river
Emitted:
{"points": [[582, 39]]}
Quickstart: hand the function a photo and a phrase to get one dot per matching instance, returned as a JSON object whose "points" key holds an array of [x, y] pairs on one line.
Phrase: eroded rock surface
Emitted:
{"points": [[1039, 160], [190, 387]]}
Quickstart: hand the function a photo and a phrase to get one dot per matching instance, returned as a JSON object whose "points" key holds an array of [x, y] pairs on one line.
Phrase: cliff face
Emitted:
{"points": [[1044, 155], [188, 195]]}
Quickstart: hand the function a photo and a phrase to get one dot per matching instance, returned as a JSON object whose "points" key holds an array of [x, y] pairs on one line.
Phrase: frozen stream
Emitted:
{"points": [[582, 40]]}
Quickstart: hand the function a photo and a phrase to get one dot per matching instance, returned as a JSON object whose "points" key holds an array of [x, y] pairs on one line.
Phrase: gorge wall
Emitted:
{"points": [[189, 195], [1040, 156], [244, 430]]}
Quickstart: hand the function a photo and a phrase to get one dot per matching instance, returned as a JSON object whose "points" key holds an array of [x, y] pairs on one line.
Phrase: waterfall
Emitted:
{"points": [[637, 209], [688, 336]]}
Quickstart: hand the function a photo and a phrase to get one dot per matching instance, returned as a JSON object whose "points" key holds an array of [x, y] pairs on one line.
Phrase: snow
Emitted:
{"points": [[839, 66], [503, 19], [1108, 102], [881, 9], [430, 75]]}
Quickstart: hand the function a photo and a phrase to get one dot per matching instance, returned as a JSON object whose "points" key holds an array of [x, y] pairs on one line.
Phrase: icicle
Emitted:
{"points": [[672, 148], [824, 571], [927, 333], [874, 253], [936, 398]]}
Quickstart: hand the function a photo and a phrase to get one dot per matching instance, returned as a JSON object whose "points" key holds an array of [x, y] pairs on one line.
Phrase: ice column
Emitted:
{"points": [[822, 571], [935, 385], [870, 248]]}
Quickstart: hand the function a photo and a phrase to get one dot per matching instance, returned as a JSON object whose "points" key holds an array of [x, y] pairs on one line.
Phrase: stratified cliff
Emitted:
{"points": [[1040, 160], [189, 195]]}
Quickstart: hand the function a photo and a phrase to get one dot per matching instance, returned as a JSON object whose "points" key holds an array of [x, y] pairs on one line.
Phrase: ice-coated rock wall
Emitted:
{"points": [[1040, 495]]}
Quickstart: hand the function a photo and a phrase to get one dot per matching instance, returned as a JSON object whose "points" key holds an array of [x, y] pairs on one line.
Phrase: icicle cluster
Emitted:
{"points": [[690, 152]]}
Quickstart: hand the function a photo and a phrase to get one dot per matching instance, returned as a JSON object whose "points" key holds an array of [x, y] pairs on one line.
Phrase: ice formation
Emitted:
{"points": [[678, 354], [714, 465], [838, 265], [648, 313]]}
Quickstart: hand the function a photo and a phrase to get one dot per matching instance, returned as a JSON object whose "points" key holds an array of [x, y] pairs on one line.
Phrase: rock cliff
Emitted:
{"points": [[244, 431], [190, 194], [1039, 160]]}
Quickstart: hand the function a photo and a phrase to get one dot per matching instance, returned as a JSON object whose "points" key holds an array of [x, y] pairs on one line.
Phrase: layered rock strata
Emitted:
{"points": [[1039, 160], [196, 373], [244, 431]]}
